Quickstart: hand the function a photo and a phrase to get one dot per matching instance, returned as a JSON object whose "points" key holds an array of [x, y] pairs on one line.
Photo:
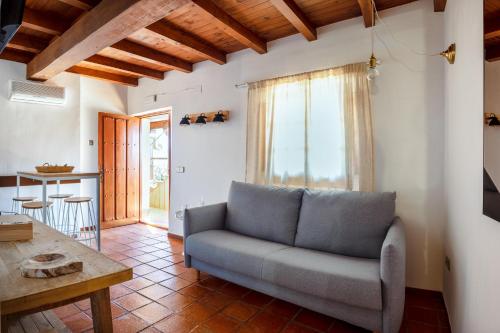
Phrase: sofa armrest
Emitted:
{"points": [[200, 219], [393, 276]]}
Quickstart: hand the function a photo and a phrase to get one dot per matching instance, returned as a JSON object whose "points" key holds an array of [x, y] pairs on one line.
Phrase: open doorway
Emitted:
{"points": [[155, 168]]}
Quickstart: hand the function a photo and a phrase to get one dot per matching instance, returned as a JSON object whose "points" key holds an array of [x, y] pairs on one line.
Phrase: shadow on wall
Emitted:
{"points": [[491, 197]]}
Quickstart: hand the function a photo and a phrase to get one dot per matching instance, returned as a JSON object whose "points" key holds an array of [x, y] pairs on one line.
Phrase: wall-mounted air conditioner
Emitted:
{"points": [[29, 92]]}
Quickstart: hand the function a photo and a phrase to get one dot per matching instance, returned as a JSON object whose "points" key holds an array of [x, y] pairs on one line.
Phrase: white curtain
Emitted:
{"points": [[312, 130]]}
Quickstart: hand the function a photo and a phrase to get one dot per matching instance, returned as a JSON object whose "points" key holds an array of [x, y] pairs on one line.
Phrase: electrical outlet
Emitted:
{"points": [[447, 263], [179, 214]]}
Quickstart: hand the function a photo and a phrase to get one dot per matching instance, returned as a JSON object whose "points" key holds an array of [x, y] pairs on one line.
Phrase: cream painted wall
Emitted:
{"points": [[472, 242], [408, 121], [492, 134]]}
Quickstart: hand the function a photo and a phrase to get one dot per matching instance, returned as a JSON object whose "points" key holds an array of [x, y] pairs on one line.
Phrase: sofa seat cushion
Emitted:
{"points": [[231, 251], [347, 223], [352, 281], [266, 212]]}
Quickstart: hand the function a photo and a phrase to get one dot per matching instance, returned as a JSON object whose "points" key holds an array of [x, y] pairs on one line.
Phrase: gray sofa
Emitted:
{"points": [[338, 253]]}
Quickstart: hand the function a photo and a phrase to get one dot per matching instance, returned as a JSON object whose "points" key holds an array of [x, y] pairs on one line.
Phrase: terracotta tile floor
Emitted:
{"points": [[164, 296]]}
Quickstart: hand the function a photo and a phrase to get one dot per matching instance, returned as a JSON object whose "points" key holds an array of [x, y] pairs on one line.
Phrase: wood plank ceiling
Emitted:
{"points": [[492, 30], [122, 41]]}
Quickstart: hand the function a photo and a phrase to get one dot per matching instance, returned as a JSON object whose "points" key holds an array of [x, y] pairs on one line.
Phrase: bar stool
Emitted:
{"points": [[35, 210], [17, 203], [75, 223], [58, 200]]}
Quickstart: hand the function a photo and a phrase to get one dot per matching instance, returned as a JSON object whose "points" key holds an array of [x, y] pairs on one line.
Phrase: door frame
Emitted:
{"points": [[100, 165], [149, 114]]}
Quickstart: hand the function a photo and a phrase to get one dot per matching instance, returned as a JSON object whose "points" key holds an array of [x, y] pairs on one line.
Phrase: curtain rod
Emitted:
{"points": [[241, 85], [246, 84]]}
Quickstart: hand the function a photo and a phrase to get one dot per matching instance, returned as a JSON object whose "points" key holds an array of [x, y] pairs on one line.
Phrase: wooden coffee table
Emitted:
{"points": [[22, 296]]}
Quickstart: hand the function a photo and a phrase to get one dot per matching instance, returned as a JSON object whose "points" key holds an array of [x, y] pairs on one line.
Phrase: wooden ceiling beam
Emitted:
{"points": [[439, 5], [107, 23], [368, 11], [232, 27], [125, 66], [179, 37], [492, 53], [102, 75], [491, 29], [16, 55], [81, 4], [24, 42], [150, 54], [44, 22], [292, 12]]}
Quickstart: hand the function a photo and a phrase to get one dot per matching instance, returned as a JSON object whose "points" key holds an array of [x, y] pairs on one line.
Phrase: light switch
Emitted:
{"points": [[91, 142], [180, 169]]}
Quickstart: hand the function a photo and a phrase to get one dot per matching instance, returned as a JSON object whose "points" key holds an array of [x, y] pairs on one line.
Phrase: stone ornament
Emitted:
{"points": [[50, 265]]}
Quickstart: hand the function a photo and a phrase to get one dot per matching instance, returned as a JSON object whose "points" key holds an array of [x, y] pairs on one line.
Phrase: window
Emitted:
{"points": [[299, 131]]}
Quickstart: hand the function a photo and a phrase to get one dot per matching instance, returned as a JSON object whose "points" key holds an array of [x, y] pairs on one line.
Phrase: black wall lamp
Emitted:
{"points": [[205, 118], [185, 121], [492, 120], [201, 119], [219, 118]]}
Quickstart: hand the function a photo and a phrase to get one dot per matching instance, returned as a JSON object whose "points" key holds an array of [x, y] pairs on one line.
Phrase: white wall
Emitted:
{"points": [[408, 121], [32, 134], [471, 287], [492, 134]]}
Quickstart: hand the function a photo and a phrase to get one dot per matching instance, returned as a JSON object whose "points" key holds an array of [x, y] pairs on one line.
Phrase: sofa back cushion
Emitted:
{"points": [[265, 212], [347, 223]]}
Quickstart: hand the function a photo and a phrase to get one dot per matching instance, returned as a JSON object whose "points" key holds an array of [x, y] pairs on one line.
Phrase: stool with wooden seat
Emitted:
{"points": [[59, 205], [76, 223], [35, 210], [17, 201]]}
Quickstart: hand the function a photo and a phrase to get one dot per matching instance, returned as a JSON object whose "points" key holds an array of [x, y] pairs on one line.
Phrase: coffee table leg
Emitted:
{"points": [[101, 311]]}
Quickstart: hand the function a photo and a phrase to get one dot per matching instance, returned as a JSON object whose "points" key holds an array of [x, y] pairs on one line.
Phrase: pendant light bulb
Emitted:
{"points": [[372, 71]]}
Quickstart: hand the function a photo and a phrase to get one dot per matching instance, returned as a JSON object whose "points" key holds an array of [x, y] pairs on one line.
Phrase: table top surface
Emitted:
{"points": [[18, 293], [57, 174]]}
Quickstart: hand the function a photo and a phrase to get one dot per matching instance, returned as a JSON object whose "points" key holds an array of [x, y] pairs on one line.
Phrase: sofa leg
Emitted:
{"points": [[197, 275]]}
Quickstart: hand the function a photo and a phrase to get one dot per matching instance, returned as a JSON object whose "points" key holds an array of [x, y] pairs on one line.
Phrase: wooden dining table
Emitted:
{"points": [[22, 296]]}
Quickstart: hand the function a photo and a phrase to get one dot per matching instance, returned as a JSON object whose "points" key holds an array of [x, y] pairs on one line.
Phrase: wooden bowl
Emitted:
{"points": [[54, 168]]}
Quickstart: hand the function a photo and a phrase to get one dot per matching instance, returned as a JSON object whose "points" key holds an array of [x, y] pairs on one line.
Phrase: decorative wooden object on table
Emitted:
{"points": [[47, 168], [15, 228], [50, 265], [21, 296]]}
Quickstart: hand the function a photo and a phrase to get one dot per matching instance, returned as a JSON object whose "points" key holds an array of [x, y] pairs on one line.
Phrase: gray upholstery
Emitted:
{"points": [[352, 281], [201, 219], [348, 223], [231, 251], [347, 259], [264, 212], [362, 317], [392, 273]]}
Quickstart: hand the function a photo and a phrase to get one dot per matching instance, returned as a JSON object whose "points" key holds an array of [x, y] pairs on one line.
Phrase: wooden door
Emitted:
{"points": [[119, 160]]}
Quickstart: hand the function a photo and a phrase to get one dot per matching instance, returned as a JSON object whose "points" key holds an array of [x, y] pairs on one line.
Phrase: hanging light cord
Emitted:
{"points": [[402, 43], [398, 41], [373, 27]]}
